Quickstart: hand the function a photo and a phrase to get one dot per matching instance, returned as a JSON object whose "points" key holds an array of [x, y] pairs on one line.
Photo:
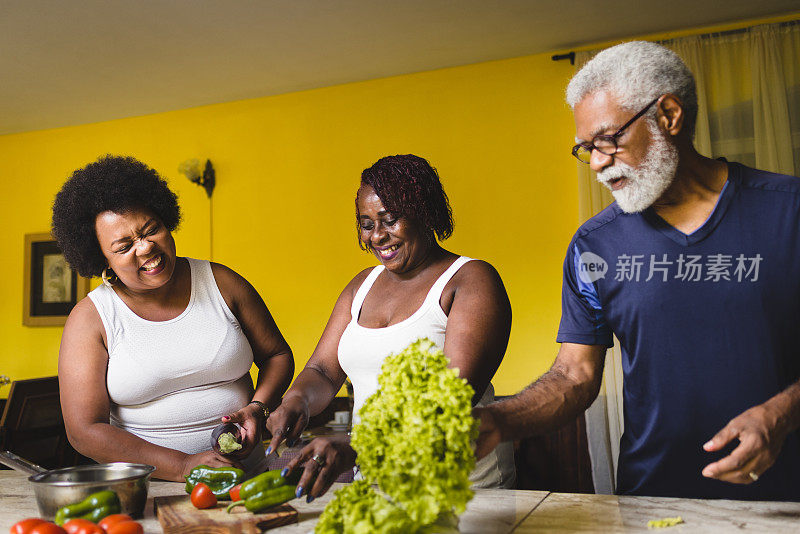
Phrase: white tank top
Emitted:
{"points": [[169, 382], [362, 350]]}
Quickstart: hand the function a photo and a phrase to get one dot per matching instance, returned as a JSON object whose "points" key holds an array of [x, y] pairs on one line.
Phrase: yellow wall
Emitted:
{"points": [[287, 169]]}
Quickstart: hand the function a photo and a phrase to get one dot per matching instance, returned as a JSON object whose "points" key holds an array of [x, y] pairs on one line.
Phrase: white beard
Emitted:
{"points": [[647, 182]]}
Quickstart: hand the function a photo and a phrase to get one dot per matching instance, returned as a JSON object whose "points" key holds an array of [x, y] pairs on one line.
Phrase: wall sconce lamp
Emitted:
{"points": [[205, 178]]}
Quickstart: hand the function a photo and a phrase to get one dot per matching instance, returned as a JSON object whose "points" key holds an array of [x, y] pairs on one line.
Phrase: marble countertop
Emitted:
{"points": [[503, 511], [571, 512]]}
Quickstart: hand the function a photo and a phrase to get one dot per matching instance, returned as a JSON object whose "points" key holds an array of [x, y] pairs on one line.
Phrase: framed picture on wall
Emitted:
{"points": [[51, 288]]}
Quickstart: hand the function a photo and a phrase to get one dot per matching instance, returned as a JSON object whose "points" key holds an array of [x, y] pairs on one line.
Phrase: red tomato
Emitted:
{"points": [[47, 528], [110, 520], [202, 497], [82, 526], [126, 527], [235, 492], [25, 526]]}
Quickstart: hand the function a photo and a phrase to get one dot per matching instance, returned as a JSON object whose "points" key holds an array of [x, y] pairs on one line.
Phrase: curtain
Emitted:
{"points": [[748, 89], [749, 92]]}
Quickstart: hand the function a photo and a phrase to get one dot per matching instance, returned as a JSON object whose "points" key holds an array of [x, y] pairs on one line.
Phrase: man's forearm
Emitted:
{"points": [[787, 403], [552, 401]]}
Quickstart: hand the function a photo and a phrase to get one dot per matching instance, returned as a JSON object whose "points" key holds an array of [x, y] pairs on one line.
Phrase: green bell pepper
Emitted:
{"points": [[268, 479], [267, 490], [219, 479], [94, 508]]}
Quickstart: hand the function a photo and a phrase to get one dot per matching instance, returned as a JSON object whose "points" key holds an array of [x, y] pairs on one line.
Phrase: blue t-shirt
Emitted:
{"points": [[708, 325]]}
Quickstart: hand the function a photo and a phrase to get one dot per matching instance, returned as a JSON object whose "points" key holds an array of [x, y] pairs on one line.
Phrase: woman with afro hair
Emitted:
{"points": [[418, 290], [155, 357]]}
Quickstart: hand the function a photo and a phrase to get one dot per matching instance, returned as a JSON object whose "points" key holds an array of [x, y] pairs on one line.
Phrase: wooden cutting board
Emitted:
{"points": [[177, 515]]}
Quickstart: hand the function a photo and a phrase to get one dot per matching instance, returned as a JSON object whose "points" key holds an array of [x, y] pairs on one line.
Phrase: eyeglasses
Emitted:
{"points": [[605, 144]]}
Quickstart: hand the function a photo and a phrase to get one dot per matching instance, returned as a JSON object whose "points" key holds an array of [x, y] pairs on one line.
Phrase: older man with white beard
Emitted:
{"points": [[696, 269]]}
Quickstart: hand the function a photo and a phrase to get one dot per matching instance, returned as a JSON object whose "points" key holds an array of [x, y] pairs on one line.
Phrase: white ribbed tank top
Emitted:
{"points": [[169, 382], [362, 350]]}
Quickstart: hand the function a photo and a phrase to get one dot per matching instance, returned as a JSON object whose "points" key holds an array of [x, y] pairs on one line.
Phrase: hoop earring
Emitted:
{"points": [[108, 280]]}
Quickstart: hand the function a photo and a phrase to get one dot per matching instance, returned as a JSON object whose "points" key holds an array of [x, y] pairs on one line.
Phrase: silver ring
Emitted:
{"points": [[753, 476], [319, 459]]}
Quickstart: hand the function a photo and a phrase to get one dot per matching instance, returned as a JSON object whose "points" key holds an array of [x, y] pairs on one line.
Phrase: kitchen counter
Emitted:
{"points": [[572, 512], [503, 511]]}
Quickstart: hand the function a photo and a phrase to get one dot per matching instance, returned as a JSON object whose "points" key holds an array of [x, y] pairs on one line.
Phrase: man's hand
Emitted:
{"points": [[761, 431], [489, 435]]}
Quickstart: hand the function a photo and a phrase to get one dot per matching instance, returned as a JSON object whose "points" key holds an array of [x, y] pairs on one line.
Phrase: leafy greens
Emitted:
{"points": [[414, 442]]}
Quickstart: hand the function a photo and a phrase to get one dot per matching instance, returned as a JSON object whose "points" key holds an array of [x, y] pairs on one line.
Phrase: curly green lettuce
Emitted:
{"points": [[414, 440], [358, 509]]}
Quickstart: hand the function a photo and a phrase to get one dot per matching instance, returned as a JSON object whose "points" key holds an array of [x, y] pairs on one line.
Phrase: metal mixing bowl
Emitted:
{"points": [[69, 485]]}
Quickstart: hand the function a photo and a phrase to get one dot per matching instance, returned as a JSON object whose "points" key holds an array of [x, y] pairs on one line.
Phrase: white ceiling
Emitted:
{"points": [[79, 61]]}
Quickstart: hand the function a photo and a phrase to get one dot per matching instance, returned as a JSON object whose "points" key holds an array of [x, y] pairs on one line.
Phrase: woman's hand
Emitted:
{"points": [[323, 460], [288, 421], [209, 458], [251, 420]]}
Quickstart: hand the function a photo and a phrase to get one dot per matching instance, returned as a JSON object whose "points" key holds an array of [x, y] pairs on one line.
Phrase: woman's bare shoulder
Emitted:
{"points": [[477, 272], [225, 276], [233, 287], [84, 328], [349, 292], [84, 315], [358, 279]]}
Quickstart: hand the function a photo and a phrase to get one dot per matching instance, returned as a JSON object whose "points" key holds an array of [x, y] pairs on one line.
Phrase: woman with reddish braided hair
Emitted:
{"points": [[418, 290], [411, 188]]}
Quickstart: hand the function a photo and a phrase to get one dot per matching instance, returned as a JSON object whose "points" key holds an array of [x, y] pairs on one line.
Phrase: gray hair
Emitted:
{"points": [[636, 72]]}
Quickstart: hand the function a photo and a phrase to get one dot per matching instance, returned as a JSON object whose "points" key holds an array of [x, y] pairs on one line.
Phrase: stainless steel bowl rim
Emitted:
{"points": [[144, 471]]}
